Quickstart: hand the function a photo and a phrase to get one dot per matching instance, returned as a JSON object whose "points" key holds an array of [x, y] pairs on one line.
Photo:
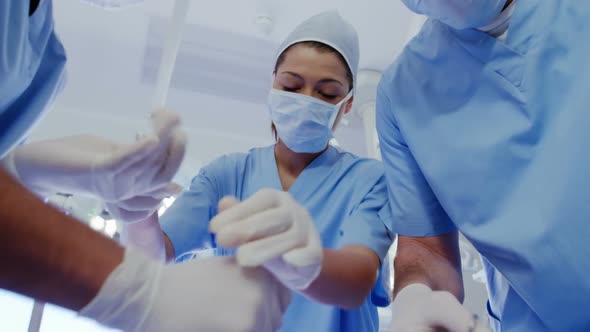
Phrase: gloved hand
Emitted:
{"points": [[271, 229], [173, 141], [141, 207], [212, 294], [417, 308], [126, 174], [119, 174]]}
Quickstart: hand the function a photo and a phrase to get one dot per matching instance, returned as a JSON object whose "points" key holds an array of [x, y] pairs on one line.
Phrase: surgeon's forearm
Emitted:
{"points": [[433, 261], [47, 255], [347, 277], [147, 236]]}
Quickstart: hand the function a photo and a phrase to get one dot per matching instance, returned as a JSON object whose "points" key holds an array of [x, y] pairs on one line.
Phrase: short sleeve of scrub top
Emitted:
{"points": [[366, 226], [32, 68], [186, 222], [415, 210]]}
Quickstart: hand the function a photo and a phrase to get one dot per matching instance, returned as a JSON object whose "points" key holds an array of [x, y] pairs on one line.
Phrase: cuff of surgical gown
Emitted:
{"points": [[424, 230], [422, 227], [9, 165]]}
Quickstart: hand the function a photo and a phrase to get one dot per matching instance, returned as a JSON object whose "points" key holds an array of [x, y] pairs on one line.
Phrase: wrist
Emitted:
{"points": [[146, 225], [125, 298], [145, 235]]}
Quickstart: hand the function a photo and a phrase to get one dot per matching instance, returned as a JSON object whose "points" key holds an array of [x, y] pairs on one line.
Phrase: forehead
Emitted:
{"points": [[313, 63]]}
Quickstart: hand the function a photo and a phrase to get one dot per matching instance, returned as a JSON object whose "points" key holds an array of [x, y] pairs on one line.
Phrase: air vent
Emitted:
{"points": [[216, 62]]}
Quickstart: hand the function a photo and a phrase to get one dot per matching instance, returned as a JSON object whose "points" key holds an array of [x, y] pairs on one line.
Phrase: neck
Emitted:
{"points": [[290, 162]]}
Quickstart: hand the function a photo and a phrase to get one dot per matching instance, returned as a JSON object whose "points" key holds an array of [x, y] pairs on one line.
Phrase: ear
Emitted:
{"points": [[273, 81], [348, 106]]}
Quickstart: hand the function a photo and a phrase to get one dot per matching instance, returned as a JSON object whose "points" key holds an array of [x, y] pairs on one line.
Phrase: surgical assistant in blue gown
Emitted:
{"points": [[32, 68], [344, 194], [492, 138]]}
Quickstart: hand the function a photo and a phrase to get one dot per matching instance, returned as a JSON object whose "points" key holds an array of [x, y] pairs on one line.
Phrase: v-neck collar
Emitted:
{"points": [[312, 174], [508, 58], [498, 56]]}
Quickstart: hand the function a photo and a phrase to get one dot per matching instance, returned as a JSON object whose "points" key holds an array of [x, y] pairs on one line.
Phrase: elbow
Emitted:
{"points": [[358, 296], [416, 262]]}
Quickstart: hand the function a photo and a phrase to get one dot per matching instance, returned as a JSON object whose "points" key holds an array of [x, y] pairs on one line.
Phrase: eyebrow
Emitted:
{"points": [[325, 80]]}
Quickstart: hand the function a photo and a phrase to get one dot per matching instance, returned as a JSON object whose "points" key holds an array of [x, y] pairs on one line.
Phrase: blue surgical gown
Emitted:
{"points": [[32, 67], [344, 194], [491, 138]]}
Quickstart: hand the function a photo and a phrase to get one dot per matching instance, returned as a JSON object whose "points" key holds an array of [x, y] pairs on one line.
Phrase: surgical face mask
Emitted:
{"points": [[303, 123], [459, 14]]}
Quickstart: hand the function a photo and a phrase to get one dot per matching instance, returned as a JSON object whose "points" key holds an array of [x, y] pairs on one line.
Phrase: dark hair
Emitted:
{"points": [[322, 48]]}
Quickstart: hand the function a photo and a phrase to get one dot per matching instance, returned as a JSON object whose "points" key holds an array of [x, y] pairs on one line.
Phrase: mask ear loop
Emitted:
{"points": [[338, 107]]}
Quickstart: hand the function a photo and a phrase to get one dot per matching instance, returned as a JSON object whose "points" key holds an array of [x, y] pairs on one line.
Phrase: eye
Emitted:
{"points": [[289, 89], [328, 96]]}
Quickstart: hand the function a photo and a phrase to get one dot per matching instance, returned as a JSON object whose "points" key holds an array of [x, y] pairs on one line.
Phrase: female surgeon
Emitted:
{"points": [[310, 214]]}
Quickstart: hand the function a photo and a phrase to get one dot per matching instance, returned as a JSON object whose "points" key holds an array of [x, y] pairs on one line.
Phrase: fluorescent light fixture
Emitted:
{"points": [[111, 227], [97, 223], [166, 203]]}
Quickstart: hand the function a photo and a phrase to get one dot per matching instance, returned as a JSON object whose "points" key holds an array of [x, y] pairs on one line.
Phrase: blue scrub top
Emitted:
{"points": [[32, 66], [344, 195], [492, 138]]}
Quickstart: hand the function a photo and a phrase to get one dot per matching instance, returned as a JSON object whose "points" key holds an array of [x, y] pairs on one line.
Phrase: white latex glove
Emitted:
{"points": [[171, 140], [113, 172], [141, 207], [149, 176], [146, 236], [271, 229], [204, 295], [417, 308]]}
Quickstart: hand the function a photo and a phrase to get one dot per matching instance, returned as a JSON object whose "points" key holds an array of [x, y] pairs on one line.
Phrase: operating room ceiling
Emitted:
{"points": [[222, 72]]}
